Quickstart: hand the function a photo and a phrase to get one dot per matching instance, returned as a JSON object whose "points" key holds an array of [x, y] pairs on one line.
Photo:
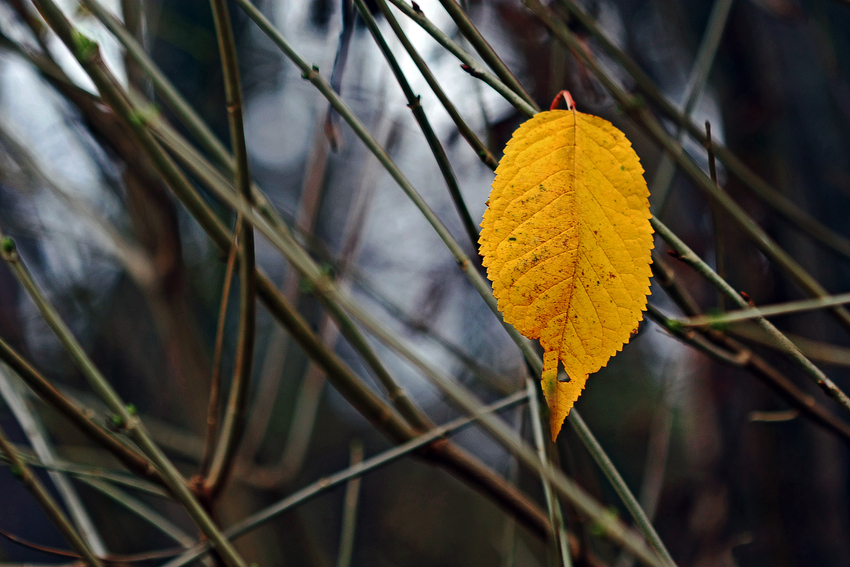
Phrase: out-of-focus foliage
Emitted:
{"points": [[732, 476]]}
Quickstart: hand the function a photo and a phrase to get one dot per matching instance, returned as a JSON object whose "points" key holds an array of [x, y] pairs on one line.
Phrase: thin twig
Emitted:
{"points": [[80, 417], [790, 349], [81, 471], [112, 559], [717, 221], [174, 100], [697, 340], [743, 358], [714, 28], [728, 350], [509, 536], [655, 462], [484, 49], [349, 513], [142, 510], [613, 475], [131, 256], [327, 483], [498, 382], [470, 65], [415, 105], [663, 274], [306, 406], [151, 516], [234, 417], [164, 88], [214, 404], [9, 253], [562, 545], [823, 352], [767, 311], [53, 510], [123, 417], [278, 346], [12, 393], [774, 416], [480, 149]]}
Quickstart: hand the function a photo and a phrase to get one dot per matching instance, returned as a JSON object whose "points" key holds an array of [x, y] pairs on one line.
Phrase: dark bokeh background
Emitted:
{"points": [[735, 491]]}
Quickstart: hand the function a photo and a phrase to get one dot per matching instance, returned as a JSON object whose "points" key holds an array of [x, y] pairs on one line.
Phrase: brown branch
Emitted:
{"points": [[214, 404], [32, 483], [234, 419], [443, 453], [736, 354], [110, 559], [78, 416]]}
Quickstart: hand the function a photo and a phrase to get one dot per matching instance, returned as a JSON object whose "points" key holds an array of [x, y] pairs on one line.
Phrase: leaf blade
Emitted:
{"points": [[566, 241]]}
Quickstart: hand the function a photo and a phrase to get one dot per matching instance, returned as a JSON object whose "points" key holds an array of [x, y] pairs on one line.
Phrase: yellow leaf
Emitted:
{"points": [[566, 241]]}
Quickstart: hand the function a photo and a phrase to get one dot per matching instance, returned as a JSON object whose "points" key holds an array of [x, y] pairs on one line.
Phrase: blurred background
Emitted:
{"points": [[732, 473]]}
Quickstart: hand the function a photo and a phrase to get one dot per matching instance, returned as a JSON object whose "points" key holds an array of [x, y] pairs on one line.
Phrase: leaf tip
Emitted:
{"points": [[560, 396], [555, 428]]}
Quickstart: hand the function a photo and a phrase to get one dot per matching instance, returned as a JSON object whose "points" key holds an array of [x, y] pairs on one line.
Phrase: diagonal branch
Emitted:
{"points": [[660, 186], [767, 311], [465, 131], [790, 349], [13, 393], [413, 102], [78, 416], [469, 64], [324, 484], [53, 510], [484, 49]]}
